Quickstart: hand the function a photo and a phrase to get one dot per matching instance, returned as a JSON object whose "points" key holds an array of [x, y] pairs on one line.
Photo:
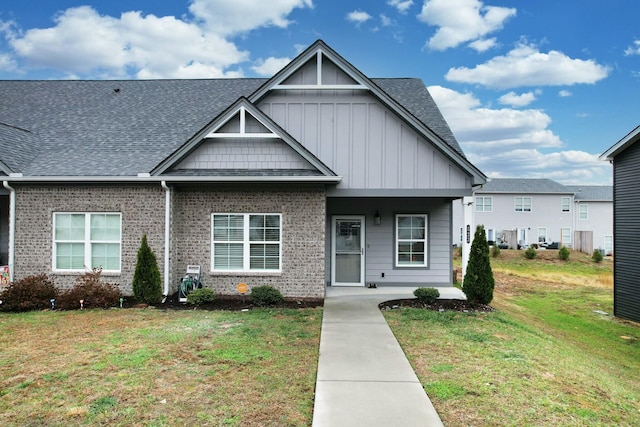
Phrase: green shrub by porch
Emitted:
{"points": [[426, 295], [264, 296], [147, 283], [563, 253], [478, 281]]}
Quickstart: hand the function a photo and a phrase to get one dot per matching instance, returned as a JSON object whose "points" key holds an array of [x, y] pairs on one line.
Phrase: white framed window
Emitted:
{"points": [[491, 235], [542, 234], [484, 204], [522, 204], [83, 241], [583, 212], [566, 204], [608, 245], [246, 242], [566, 236], [411, 240]]}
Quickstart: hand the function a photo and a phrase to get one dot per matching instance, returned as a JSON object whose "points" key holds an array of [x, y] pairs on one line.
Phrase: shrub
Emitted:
{"points": [[201, 296], [263, 296], [30, 293], [478, 282], [495, 251], [147, 283], [426, 295], [92, 291], [530, 253], [563, 253], [597, 256]]}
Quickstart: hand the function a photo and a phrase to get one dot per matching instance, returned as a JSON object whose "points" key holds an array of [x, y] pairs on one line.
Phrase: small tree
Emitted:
{"points": [[147, 283], [563, 253], [530, 253], [597, 256], [478, 282]]}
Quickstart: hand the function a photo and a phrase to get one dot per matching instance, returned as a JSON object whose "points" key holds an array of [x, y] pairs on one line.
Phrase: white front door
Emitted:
{"points": [[347, 251]]}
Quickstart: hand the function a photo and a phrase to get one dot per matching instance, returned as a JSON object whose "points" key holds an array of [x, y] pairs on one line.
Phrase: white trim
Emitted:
{"points": [[396, 241], [167, 234], [12, 227]]}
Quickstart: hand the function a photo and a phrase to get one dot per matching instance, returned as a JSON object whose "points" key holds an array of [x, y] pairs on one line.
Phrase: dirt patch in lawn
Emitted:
{"points": [[440, 305]]}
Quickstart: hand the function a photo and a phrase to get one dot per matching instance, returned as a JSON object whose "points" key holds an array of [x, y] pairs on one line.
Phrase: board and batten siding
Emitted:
{"points": [[626, 196], [363, 141]]}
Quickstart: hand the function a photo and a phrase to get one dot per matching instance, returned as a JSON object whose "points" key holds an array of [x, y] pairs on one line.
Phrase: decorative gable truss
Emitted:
{"points": [[244, 143]]}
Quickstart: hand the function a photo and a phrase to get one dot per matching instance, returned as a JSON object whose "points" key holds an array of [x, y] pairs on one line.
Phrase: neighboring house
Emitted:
{"points": [[625, 156], [318, 176], [521, 212]]}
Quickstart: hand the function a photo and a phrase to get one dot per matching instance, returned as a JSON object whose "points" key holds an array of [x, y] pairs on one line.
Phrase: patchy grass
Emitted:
{"points": [[159, 368], [543, 358]]}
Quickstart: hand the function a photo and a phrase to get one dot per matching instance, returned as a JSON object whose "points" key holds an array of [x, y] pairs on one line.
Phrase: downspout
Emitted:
{"points": [[167, 230], [12, 226]]}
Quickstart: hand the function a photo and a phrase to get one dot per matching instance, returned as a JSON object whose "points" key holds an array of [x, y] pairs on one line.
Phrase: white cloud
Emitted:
{"points": [[516, 100], [268, 67], [461, 21], [85, 44], [483, 45], [401, 5], [358, 16], [512, 143], [564, 93], [386, 21], [634, 49], [525, 65], [225, 18]]}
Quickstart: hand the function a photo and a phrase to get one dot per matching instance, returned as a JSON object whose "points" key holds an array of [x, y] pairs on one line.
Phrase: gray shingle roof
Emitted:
{"points": [[122, 128], [523, 185], [601, 193]]}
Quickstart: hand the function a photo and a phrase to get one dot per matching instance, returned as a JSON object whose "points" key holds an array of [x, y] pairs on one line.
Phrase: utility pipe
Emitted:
{"points": [[12, 226], [167, 230]]}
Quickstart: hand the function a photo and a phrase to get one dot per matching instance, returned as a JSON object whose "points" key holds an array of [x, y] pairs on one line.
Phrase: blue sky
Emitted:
{"points": [[531, 89]]}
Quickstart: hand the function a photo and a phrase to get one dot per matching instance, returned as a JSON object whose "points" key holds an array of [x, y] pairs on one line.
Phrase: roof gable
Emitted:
{"points": [[242, 121], [629, 139]]}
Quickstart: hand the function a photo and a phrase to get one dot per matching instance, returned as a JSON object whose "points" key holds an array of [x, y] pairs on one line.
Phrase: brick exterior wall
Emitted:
{"points": [[303, 213], [303, 233], [142, 209]]}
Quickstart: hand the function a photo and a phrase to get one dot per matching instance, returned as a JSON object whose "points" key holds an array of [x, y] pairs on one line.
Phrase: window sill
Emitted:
{"points": [[245, 273]]}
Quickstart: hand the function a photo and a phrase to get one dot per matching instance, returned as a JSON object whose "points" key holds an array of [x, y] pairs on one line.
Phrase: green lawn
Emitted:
{"points": [[158, 368], [543, 358]]}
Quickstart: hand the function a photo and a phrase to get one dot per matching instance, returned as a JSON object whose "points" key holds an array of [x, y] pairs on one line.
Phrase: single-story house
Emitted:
{"points": [[625, 156], [319, 176]]}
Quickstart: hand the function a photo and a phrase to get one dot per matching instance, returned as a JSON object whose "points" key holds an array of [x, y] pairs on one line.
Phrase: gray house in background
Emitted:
{"points": [[522, 212], [625, 156], [317, 176]]}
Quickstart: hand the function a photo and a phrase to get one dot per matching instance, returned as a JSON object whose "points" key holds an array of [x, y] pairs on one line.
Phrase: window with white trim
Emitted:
{"points": [[608, 245], [522, 204], [566, 236], [411, 240], [583, 212], [246, 242], [566, 204], [83, 241], [542, 234], [484, 204]]}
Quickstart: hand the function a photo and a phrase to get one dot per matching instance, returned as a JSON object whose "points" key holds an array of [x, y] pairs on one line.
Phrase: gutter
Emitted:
{"points": [[167, 241], [175, 179], [12, 226]]}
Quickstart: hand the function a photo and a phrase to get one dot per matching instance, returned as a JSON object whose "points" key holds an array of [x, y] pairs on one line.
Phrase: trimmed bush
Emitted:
{"points": [[92, 291], [201, 296], [530, 253], [426, 295], [563, 253], [597, 256], [495, 251], [264, 296], [478, 281], [147, 283], [30, 293]]}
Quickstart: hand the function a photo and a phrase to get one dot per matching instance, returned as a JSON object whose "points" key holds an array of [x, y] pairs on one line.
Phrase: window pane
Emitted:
{"points": [[70, 256], [105, 227], [228, 228], [264, 257], [105, 256], [227, 256], [69, 227]]}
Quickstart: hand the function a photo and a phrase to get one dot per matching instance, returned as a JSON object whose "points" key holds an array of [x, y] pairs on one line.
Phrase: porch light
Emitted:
{"points": [[377, 219]]}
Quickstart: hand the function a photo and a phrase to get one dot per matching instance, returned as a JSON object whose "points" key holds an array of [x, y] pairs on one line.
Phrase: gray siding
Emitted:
{"points": [[363, 141], [626, 233], [379, 239]]}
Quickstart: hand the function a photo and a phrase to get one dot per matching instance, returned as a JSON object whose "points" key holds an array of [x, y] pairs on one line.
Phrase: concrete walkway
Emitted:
{"points": [[364, 378]]}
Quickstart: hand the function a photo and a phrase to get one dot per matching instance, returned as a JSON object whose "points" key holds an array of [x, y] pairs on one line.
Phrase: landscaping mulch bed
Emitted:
{"points": [[440, 305], [232, 303]]}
